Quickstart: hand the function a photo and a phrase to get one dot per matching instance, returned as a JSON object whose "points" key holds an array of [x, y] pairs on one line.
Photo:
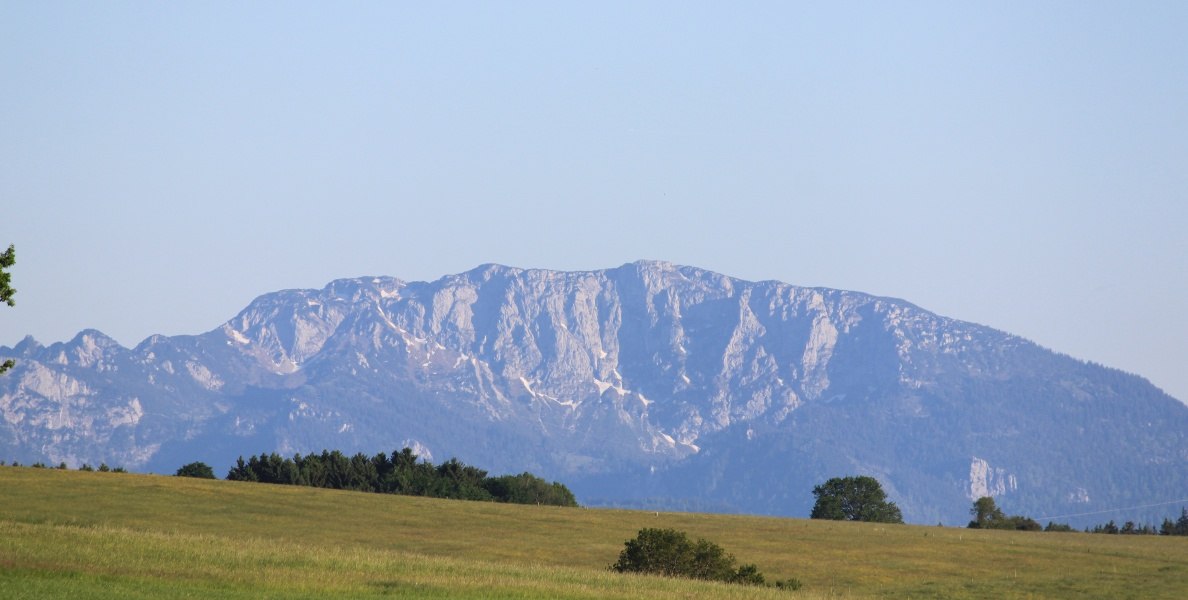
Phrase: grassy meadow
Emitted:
{"points": [[70, 534]]}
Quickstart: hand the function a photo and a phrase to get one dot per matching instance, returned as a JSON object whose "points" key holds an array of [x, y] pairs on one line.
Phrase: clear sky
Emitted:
{"points": [[1022, 165]]}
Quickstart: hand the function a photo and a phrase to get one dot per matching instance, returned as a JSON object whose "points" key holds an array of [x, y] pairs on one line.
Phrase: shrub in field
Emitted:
{"points": [[791, 584], [670, 553]]}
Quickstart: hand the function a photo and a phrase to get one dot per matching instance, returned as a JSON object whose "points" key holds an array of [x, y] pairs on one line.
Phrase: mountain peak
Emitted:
{"points": [[653, 265], [486, 272], [27, 345], [93, 338]]}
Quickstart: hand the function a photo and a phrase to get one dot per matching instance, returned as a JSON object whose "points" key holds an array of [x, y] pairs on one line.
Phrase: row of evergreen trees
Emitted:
{"points": [[987, 515], [401, 473], [1168, 527], [102, 468]]}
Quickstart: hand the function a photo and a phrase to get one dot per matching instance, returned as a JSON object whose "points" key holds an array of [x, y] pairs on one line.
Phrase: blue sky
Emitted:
{"points": [[1022, 165]]}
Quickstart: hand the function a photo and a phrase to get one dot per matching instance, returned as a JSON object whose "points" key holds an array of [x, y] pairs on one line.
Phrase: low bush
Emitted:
{"points": [[670, 553], [791, 584]]}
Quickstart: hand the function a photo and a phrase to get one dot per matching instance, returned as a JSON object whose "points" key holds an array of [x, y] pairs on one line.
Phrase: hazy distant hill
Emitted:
{"points": [[646, 384]]}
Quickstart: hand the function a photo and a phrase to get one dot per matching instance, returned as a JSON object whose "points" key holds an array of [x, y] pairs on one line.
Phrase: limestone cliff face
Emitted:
{"points": [[985, 480], [675, 383]]}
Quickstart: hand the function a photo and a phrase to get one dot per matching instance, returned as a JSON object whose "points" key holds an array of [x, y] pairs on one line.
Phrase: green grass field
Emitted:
{"points": [[69, 534]]}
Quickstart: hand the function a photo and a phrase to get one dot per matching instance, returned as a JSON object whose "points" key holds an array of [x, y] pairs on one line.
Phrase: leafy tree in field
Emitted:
{"points": [[854, 499], [200, 470], [670, 553], [987, 515], [7, 259]]}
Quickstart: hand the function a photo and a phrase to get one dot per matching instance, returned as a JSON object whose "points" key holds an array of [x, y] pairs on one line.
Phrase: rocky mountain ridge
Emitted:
{"points": [[648, 384]]}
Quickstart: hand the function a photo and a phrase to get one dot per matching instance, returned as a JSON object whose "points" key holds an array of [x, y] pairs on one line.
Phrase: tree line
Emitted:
{"points": [[1168, 527], [102, 468], [862, 498], [853, 498], [987, 515], [401, 473]]}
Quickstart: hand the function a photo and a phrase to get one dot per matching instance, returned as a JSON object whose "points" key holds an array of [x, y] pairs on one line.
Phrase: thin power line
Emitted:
{"points": [[1112, 510]]}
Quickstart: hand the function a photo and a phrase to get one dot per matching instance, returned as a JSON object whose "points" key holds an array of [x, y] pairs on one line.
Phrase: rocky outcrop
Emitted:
{"points": [[985, 480]]}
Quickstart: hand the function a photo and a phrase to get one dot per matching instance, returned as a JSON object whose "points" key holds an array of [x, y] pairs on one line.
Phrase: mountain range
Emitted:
{"points": [[646, 385]]}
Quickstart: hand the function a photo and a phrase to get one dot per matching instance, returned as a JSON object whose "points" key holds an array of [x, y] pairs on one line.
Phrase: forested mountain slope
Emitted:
{"points": [[648, 384]]}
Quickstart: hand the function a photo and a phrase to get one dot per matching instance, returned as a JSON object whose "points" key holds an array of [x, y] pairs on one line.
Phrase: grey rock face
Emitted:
{"points": [[647, 384]]}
